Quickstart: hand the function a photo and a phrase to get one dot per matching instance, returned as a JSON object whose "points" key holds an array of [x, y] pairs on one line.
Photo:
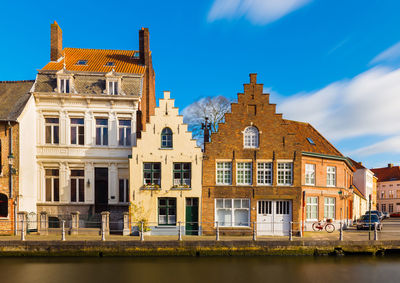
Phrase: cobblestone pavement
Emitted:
{"points": [[391, 231]]}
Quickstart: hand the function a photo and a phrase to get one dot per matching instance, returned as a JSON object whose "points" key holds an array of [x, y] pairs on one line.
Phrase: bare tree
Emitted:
{"points": [[214, 108]]}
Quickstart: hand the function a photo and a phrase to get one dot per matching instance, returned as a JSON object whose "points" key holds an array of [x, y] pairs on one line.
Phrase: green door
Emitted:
{"points": [[192, 216]]}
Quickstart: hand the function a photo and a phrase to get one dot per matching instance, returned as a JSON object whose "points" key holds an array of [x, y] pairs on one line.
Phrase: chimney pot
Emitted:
{"points": [[390, 165]]}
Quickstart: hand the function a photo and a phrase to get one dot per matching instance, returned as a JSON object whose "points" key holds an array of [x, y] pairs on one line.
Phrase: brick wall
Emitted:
{"points": [[6, 224]]}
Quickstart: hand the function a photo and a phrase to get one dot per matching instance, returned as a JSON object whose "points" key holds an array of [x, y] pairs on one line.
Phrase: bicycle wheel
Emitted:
{"points": [[329, 228], [315, 226]]}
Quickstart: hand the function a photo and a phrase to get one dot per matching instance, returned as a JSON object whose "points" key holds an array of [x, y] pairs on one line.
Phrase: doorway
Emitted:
{"points": [[101, 189], [192, 216]]}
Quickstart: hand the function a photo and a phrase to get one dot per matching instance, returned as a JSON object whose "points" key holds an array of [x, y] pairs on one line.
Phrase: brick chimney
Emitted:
{"points": [[55, 41], [390, 165], [144, 46]]}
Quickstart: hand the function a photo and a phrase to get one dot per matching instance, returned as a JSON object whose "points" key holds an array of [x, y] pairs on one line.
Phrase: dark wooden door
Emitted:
{"points": [[101, 189], [192, 216]]}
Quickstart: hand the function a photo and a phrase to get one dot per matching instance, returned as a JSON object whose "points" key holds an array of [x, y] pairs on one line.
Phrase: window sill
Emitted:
{"points": [[181, 189], [150, 188], [265, 185], [166, 148], [232, 227], [223, 185], [254, 148]]}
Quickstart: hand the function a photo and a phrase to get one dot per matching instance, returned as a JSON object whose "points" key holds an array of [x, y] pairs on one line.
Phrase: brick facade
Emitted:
{"points": [[7, 223], [279, 140]]}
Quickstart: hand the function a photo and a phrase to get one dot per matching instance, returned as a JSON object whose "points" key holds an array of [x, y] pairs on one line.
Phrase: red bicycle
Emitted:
{"points": [[320, 225]]}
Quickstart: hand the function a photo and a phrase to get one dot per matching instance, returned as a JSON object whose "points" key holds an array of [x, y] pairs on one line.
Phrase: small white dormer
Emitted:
{"points": [[65, 81], [113, 83]]}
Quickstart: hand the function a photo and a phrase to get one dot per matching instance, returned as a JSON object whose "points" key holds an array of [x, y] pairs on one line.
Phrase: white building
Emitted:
{"points": [[87, 105]]}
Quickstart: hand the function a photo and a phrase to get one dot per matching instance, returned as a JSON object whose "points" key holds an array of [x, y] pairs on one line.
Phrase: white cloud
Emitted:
{"points": [[256, 11], [389, 55], [391, 145], [368, 104]]}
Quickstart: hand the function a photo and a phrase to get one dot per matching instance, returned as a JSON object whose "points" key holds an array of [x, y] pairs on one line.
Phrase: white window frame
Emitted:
{"points": [[77, 178], [52, 130], [51, 178], [244, 173], [311, 208], [233, 207], [264, 173], [310, 174], [251, 137], [113, 87], [285, 174], [63, 82], [126, 141], [77, 126], [331, 176], [329, 207], [102, 127], [225, 170]]}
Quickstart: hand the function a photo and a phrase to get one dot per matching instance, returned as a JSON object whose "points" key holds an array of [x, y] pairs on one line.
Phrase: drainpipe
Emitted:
{"points": [[10, 150], [15, 217]]}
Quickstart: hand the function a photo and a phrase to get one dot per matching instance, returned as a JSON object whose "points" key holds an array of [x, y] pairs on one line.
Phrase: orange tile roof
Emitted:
{"points": [[97, 60]]}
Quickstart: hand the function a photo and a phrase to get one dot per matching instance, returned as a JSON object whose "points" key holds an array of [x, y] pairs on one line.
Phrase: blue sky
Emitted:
{"points": [[337, 59]]}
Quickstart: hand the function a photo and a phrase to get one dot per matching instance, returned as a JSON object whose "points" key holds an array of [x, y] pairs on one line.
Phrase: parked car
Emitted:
{"points": [[386, 215], [364, 222], [395, 214], [377, 213]]}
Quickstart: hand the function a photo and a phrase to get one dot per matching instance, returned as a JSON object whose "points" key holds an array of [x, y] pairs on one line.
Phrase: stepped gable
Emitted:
{"points": [[386, 174], [13, 96], [253, 108]]}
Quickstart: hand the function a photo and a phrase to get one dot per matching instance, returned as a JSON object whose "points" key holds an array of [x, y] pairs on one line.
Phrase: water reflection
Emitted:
{"points": [[211, 269]]}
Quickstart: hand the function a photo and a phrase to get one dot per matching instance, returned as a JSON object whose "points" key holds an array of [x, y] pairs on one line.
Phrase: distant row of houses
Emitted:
{"points": [[86, 136]]}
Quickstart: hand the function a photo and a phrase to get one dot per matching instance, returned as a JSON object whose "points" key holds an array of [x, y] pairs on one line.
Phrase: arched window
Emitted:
{"points": [[166, 138], [250, 137], [3, 205]]}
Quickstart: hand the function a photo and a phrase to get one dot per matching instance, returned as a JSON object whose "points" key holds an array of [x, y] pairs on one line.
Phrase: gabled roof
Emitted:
{"points": [[387, 173], [97, 59], [357, 165], [304, 131], [13, 96]]}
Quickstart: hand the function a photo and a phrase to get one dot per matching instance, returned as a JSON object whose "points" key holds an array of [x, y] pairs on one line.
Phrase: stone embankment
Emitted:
{"points": [[197, 248]]}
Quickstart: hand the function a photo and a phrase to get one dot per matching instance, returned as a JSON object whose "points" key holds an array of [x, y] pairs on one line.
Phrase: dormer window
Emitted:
{"points": [[110, 64], [113, 87], [64, 85], [250, 137]]}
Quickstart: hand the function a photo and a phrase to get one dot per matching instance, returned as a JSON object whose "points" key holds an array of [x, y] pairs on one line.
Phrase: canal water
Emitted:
{"points": [[208, 269]]}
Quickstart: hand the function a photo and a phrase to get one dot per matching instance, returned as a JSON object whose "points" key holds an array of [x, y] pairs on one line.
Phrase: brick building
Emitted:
{"points": [[388, 188], [262, 168], [90, 105], [14, 97]]}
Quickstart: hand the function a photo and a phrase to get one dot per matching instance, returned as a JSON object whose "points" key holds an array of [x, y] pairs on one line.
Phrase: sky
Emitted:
{"points": [[334, 64]]}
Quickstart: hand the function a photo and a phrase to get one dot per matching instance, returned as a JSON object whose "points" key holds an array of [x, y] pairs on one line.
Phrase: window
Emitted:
{"points": [[391, 194], [3, 205], [310, 141], [152, 173], [166, 211], [123, 190], [331, 176], [310, 174], [390, 207], [52, 185], [81, 62], [64, 85], [382, 194], [77, 131], [110, 64], [124, 132], [383, 207], [182, 174], [166, 138], [264, 173], [285, 174], [52, 130], [312, 208], [232, 212], [250, 137], [113, 87], [101, 131], [243, 173], [77, 186], [224, 173], [329, 208]]}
